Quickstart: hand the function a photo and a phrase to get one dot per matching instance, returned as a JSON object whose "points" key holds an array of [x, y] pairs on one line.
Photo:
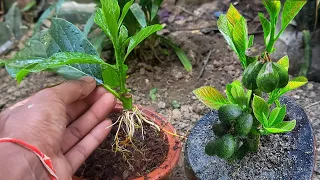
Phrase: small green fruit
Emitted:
{"points": [[222, 147], [243, 125], [283, 75], [228, 113], [268, 78], [220, 129], [250, 75]]}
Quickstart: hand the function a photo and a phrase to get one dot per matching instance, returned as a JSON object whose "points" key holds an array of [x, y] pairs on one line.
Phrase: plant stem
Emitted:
{"points": [[126, 100], [272, 39], [111, 91], [122, 77]]}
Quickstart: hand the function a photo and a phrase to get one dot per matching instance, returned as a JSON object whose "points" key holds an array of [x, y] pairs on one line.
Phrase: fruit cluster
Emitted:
{"points": [[265, 76], [232, 130]]}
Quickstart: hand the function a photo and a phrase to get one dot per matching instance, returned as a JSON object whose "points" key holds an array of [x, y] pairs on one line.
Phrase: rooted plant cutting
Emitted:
{"points": [[252, 107], [65, 50]]}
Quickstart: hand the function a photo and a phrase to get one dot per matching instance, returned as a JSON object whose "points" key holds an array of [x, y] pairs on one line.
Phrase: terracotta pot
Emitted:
{"points": [[200, 166], [174, 146]]}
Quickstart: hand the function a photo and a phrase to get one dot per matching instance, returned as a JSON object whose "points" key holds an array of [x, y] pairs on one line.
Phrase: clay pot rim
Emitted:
{"points": [[174, 143]]}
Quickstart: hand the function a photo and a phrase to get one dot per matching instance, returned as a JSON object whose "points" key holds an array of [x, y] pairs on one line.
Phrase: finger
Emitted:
{"points": [[83, 125], [71, 90], [81, 151], [76, 109]]}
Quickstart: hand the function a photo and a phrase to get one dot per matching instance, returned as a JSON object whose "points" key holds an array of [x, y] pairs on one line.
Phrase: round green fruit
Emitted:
{"points": [[243, 125], [223, 147], [250, 75], [283, 75], [268, 78], [228, 113]]}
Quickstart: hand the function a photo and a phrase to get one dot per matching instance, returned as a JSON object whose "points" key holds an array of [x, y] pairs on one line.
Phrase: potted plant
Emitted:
{"points": [[255, 132], [65, 50]]}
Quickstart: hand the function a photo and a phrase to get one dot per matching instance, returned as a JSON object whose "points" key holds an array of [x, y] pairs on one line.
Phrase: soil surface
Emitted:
{"points": [[151, 150], [193, 28]]}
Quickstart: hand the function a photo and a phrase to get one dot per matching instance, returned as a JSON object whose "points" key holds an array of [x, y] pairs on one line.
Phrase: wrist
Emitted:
{"points": [[20, 163]]}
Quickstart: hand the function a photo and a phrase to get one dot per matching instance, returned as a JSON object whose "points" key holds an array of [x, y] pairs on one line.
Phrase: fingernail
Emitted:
{"points": [[87, 79]]}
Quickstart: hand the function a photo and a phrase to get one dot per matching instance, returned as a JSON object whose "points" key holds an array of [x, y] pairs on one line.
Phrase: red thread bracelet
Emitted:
{"points": [[46, 161]]}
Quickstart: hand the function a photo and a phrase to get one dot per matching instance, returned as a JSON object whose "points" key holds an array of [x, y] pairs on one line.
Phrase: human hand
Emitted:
{"points": [[66, 122]]}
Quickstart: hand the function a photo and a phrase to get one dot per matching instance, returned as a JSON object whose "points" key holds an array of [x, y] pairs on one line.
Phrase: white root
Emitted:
{"points": [[131, 119]]}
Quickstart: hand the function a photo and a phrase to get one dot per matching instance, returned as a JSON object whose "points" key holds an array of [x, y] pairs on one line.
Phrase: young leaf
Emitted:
{"points": [[294, 84], [224, 30], [89, 25], [273, 7], [139, 14], [240, 39], [285, 126], [180, 53], [107, 18], [290, 10], [141, 35], [236, 94], [260, 109], [251, 41], [210, 97], [233, 15], [266, 26], [124, 12], [63, 59], [123, 34], [277, 116], [155, 8], [152, 94], [284, 62]]}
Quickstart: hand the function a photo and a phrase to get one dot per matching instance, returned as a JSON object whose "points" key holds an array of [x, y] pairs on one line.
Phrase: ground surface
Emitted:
{"points": [[193, 28]]}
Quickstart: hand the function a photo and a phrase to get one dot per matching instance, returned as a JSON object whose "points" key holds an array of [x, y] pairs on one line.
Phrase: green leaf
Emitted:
{"points": [[277, 116], [89, 25], [123, 34], [62, 59], [29, 5], [124, 12], [210, 97], [240, 39], [266, 26], [260, 109], [180, 53], [284, 62], [294, 84], [107, 19], [139, 14], [142, 35], [290, 9], [155, 8], [152, 94], [236, 94], [273, 7], [46, 14], [62, 36], [2, 63], [110, 76], [285, 126], [233, 15], [13, 20], [251, 41], [224, 30], [98, 40]]}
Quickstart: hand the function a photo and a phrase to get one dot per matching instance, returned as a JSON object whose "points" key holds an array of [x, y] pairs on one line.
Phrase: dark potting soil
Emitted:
{"points": [[105, 164], [273, 157]]}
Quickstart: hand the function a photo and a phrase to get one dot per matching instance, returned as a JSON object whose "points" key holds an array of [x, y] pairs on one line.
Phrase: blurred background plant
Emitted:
{"points": [[141, 14]]}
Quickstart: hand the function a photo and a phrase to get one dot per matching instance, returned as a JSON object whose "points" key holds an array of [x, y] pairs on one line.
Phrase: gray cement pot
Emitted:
{"points": [[198, 165]]}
